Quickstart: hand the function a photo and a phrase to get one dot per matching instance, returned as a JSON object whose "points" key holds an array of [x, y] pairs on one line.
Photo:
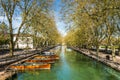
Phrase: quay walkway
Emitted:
{"points": [[18, 58]]}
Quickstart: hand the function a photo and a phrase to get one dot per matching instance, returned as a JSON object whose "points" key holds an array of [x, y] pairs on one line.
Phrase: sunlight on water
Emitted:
{"points": [[71, 66], [65, 68]]}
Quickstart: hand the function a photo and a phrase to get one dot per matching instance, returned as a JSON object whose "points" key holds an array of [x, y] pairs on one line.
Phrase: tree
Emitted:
{"points": [[42, 27], [10, 7], [23, 9], [4, 37], [97, 16]]}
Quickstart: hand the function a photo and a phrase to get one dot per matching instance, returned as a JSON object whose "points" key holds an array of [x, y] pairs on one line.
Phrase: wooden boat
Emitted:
{"points": [[40, 60], [54, 57], [48, 53], [31, 66]]}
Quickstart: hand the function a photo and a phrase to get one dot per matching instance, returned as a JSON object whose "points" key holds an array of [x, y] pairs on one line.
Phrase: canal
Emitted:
{"points": [[71, 66]]}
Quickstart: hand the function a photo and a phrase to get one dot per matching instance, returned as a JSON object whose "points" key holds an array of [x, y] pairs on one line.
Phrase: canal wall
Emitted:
{"points": [[6, 73], [110, 63]]}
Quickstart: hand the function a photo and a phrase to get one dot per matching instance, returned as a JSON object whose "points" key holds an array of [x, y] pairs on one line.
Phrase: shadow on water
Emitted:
{"points": [[71, 66]]}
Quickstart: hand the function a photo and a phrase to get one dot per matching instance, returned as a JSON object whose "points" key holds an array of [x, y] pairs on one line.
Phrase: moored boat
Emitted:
{"points": [[40, 60], [48, 53], [30, 66], [54, 57]]}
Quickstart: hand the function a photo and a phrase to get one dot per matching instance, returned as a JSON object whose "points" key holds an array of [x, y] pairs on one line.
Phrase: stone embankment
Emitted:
{"points": [[101, 58]]}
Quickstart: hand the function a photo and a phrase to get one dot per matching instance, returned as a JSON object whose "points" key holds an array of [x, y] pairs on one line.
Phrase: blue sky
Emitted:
{"points": [[59, 23]]}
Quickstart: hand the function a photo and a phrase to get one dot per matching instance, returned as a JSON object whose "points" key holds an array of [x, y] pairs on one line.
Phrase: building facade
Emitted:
{"points": [[24, 42]]}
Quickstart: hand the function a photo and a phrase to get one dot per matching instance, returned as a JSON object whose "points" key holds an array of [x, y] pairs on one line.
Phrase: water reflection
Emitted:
{"points": [[71, 66], [64, 68]]}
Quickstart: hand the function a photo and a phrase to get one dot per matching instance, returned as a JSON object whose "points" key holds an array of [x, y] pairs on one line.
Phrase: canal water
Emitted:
{"points": [[71, 66]]}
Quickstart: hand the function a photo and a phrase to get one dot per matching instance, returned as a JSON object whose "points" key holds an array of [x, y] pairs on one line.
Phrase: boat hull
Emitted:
{"points": [[40, 60], [54, 57], [30, 67]]}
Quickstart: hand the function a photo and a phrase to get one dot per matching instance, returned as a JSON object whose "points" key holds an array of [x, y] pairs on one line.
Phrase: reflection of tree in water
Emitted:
{"points": [[82, 58], [111, 77], [77, 57], [30, 75], [34, 72], [111, 73]]}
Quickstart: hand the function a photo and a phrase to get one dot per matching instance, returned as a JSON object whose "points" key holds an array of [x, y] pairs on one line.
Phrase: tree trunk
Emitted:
{"points": [[113, 53], [17, 46], [35, 45], [119, 50], [97, 52], [106, 48], [11, 40]]}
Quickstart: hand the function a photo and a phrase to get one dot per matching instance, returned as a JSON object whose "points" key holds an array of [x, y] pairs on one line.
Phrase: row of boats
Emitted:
{"points": [[38, 62]]}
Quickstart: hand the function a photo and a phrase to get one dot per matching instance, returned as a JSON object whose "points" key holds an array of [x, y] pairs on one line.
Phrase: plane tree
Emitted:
{"points": [[12, 9], [97, 16], [4, 37], [42, 27]]}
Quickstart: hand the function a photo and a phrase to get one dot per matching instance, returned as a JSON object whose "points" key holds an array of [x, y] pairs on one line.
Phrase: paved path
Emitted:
{"points": [[15, 53], [102, 55]]}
